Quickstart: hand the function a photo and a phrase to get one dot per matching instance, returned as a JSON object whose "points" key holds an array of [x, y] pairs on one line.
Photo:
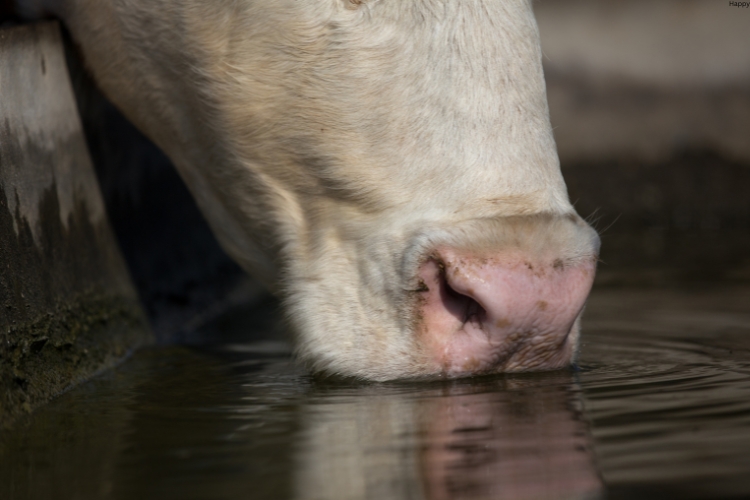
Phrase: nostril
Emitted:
{"points": [[463, 307], [475, 312]]}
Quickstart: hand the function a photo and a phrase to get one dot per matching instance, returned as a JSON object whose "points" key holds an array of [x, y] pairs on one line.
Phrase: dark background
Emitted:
{"points": [[650, 105]]}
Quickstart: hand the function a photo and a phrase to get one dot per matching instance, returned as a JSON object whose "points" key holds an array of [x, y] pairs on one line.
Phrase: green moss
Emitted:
{"points": [[43, 357]]}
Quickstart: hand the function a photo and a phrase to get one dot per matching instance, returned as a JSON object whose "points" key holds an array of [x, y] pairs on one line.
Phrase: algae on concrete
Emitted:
{"points": [[68, 308]]}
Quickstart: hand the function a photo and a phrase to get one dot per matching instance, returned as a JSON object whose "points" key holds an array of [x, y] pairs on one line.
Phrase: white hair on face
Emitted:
{"points": [[318, 136]]}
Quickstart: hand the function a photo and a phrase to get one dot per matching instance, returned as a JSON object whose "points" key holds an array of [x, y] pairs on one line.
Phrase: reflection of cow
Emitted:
{"points": [[518, 439], [523, 442], [387, 167]]}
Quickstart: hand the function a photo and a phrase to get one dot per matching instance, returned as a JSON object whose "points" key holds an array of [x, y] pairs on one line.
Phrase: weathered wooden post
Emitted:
{"points": [[67, 306]]}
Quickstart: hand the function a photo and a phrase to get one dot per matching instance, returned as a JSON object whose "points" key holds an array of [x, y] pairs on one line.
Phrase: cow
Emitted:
{"points": [[386, 167]]}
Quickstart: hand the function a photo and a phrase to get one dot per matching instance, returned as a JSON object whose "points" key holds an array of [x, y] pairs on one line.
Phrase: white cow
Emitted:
{"points": [[387, 167]]}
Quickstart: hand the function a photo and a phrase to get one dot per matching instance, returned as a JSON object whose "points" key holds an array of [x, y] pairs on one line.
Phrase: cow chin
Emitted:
{"points": [[483, 296]]}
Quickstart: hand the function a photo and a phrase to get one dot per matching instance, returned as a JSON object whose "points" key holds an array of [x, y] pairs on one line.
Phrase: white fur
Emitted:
{"points": [[330, 142]]}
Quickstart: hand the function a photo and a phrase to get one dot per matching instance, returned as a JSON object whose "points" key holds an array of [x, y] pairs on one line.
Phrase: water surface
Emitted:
{"points": [[658, 408]]}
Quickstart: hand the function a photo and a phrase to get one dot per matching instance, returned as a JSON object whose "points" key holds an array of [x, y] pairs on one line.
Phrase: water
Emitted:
{"points": [[659, 408]]}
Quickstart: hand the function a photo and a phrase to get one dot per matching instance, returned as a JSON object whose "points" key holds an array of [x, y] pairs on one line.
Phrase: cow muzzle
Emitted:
{"points": [[500, 312]]}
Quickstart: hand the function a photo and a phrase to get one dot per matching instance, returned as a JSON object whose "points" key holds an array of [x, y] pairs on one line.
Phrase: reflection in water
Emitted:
{"points": [[517, 437], [525, 442], [665, 378], [175, 423]]}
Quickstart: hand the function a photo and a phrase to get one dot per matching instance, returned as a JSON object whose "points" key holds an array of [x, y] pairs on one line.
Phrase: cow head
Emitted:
{"points": [[387, 167]]}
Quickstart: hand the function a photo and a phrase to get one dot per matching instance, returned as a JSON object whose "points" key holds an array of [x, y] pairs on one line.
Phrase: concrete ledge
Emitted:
{"points": [[67, 306]]}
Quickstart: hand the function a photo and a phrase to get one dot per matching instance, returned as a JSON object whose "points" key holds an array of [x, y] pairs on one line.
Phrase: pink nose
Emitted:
{"points": [[501, 313]]}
